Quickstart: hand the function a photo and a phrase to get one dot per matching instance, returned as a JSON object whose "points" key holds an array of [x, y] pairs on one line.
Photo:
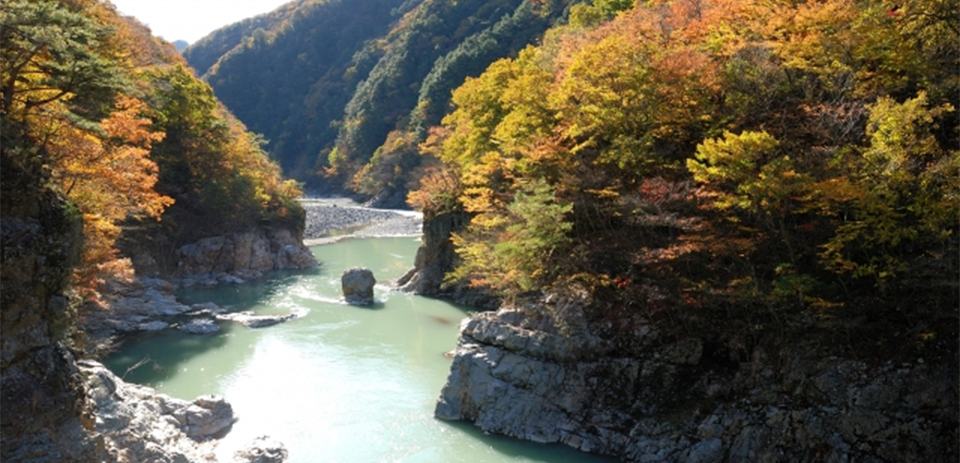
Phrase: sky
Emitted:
{"points": [[191, 20]]}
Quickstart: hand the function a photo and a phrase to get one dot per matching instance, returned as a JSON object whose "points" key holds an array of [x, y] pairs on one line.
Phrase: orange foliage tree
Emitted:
{"points": [[110, 177]]}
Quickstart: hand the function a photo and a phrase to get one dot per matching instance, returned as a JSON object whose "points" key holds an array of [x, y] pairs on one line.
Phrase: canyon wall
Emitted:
{"points": [[542, 373], [46, 415]]}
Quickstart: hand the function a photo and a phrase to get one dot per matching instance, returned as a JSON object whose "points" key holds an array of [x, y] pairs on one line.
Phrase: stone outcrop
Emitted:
{"points": [[435, 258], [139, 424], [521, 373], [357, 285], [140, 304], [241, 256], [45, 415]]}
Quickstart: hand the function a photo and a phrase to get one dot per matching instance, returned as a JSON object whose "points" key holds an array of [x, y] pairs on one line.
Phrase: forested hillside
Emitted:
{"points": [[121, 127], [781, 159], [737, 167], [345, 87]]}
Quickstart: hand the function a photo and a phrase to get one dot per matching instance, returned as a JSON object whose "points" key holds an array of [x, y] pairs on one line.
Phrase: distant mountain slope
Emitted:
{"points": [[204, 53], [316, 77], [288, 74]]}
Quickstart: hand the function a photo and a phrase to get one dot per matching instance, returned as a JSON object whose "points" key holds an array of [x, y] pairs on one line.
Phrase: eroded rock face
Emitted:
{"points": [[357, 285], [139, 424], [44, 414], [435, 258], [242, 255], [660, 399]]}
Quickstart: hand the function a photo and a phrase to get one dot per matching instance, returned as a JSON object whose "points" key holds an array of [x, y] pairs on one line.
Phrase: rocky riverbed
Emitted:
{"points": [[330, 220]]}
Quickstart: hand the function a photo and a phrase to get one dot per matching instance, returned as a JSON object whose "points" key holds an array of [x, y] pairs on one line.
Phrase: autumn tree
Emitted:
{"points": [[902, 204], [215, 170], [108, 174]]}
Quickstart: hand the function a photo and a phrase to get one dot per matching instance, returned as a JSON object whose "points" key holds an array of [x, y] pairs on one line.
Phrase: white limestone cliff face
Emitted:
{"points": [[517, 373]]}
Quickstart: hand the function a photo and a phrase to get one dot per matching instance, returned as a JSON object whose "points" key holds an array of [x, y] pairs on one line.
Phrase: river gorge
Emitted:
{"points": [[338, 383]]}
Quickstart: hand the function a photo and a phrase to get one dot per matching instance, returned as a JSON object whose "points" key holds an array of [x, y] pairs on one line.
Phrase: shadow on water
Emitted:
{"points": [[516, 448], [154, 357], [376, 305], [157, 356]]}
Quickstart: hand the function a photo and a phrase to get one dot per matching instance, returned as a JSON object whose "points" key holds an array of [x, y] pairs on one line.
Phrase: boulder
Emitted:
{"points": [[263, 449], [295, 256], [207, 416], [357, 284]]}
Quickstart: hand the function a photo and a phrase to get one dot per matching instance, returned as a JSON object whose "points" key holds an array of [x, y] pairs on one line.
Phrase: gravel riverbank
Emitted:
{"points": [[331, 220]]}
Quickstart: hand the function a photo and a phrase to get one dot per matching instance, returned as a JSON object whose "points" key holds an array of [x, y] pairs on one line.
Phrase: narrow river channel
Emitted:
{"points": [[338, 384]]}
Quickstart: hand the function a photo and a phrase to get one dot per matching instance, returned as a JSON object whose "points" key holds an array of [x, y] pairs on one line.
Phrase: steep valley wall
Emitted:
{"points": [[45, 415], [527, 373]]}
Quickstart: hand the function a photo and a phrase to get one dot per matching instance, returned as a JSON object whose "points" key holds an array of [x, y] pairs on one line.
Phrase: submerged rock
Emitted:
{"points": [[357, 284], [263, 449], [200, 326], [206, 308], [250, 320], [155, 325]]}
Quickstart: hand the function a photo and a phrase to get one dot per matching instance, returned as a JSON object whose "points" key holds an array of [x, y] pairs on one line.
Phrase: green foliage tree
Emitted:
{"points": [[905, 199], [209, 163], [292, 84], [51, 54], [515, 250]]}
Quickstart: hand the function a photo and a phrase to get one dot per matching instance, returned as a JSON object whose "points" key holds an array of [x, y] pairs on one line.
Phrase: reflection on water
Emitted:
{"points": [[340, 383]]}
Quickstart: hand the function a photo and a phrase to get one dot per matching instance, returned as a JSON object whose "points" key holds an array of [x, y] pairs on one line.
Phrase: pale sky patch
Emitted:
{"points": [[191, 20]]}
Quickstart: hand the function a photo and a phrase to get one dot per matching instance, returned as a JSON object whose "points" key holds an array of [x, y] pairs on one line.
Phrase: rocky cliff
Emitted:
{"points": [[235, 257], [437, 256], [232, 257], [46, 416], [56, 408], [545, 374], [138, 424]]}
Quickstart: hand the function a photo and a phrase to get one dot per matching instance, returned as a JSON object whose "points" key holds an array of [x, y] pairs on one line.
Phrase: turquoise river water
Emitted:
{"points": [[338, 384]]}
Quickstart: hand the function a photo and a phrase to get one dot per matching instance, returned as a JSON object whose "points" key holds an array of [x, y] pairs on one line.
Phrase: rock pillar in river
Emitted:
{"points": [[357, 284]]}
